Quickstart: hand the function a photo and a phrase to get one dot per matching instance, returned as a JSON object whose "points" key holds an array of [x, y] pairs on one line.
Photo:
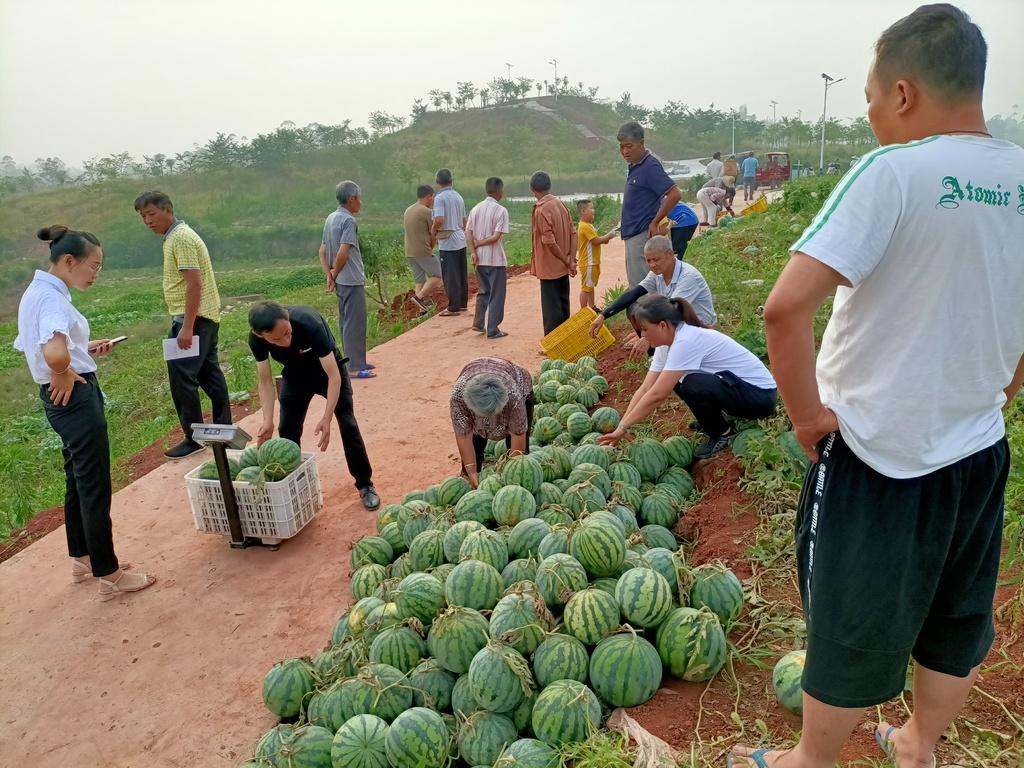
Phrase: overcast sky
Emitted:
{"points": [[80, 78]]}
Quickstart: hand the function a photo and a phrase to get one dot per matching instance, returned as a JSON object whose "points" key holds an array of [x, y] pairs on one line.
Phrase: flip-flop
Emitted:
{"points": [[364, 374], [368, 367], [498, 335], [754, 760], [886, 747], [449, 313], [478, 330]]}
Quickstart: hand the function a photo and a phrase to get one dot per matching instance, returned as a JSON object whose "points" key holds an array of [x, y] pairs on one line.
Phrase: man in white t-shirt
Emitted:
{"points": [[448, 230], [900, 524], [487, 226]]}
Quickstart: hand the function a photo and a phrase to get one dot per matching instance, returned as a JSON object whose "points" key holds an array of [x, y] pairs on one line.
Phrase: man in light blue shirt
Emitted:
{"points": [[749, 168], [449, 229]]}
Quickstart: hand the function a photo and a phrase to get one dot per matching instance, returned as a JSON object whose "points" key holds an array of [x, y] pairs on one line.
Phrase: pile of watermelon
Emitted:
{"points": [[273, 461], [493, 626]]}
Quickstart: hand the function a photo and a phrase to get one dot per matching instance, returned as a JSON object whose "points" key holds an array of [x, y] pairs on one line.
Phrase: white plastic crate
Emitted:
{"points": [[275, 511]]}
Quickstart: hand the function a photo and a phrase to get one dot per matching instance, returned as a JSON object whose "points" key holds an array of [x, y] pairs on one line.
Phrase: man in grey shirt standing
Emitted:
{"points": [[342, 263], [448, 229]]}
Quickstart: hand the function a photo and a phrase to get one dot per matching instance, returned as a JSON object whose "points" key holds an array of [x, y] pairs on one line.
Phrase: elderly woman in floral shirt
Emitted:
{"points": [[492, 399], [713, 195]]}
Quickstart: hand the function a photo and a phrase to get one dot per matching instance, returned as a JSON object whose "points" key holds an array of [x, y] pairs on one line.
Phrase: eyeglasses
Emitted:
{"points": [[96, 267]]}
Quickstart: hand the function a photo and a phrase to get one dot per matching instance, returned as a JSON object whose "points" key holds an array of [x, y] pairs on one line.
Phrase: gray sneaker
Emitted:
{"points": [[370, 498], [714, 445]]}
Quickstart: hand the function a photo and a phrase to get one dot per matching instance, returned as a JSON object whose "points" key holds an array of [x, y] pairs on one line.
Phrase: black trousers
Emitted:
{"points": [[297, 391], [681, 238], [490, 298], [554, 302], [713, 396], [480, 442], [455, 276], [82, 427], [190, 374]]}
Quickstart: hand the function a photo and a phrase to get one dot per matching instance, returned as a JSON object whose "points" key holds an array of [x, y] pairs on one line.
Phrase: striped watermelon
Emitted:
{"points": [[649, 457], [381, 690], [517, 621], [366, 579], [555, 462], [548, 494], [392, 534], [680, 479], [338, 661], [400, 568], [562, 441], [679, 450], [279, 457], [379, 619], [627, 496], [463, 703], [521, 715], [341, 630], [526, 537], [566, 393], [599, 383], [590, 615], [371, 549], [499, 677], [566, 711], [717, 588], [456, 636], [691, 644], [427, 550], [389, 514], [432, 685], [558, 577], [484, 736], [742, 443], [270, 743], [359, 743], [587, 396], [514, 503], [585, 472], [519, 570], [606, 420], [419, 596], [412, 496], [659, 509], [418, 522], [287, 685], [560, 657], [592, 454], [399, 647], [486, 546], [605, 517], [547, 391], [546, 429], [473, 584], [528, 753], [786, 680], [665, 562], [644, 596], [578, 424], [441, 572], [476, 505], [250, 457], [583, 497], [491, 483], [565, 411], [624, 472], [523, 470], [555, 543], [418, 738], [555, 515], [599, 547], [625, 516], [336, 705], [587, 361], [790, 446], [455, 535], [305, 746], [451, 490], [625, 670], [605, 585], [632, 560], [658, 536]]}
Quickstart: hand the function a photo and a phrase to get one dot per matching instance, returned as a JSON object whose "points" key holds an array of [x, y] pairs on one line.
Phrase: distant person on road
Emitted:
{"points": [[680, 225], [713, 196], [899, 528], [300, 340], [731, 167], [492, 400], [418, 222], [485, 230], [588, 251], [749, 166], [448, 229], [342, 262], [553, 259], [649, 195], [193, 301], [54, 336], [716, 167]]}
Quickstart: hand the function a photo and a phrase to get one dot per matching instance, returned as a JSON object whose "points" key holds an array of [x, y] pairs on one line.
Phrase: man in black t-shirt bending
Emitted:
{"points": [[300, 340]]}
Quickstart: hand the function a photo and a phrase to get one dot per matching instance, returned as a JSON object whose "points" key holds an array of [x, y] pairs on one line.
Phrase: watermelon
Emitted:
{"points": [[790, 446], [658, 536], [432, 685], [381, 690], [392, 534], [560, 657], [305, 746], [418, 522], [605, 517], [741, 444], [418, 738], [578, 424], [338, 661], [665, 562], [451, 490], [208, 471], [456, 636], [270, 743], [644, 596], [566, 711], [279, 457], [250, 457], [605, 585], [680, 479], [287, 686], [599, 547], [250, 475], [526, 537], [587, 396], [455, 535], [399, 647], [606, 420], [359, 743], [528, 753], [679, 450], [380, 618], [517, 621], [587, 361], [547, 391], [565, 411], [562, 441], [491, 483], [627, 495], [649, 457], [631, 561], [441, 572], [659, 509], [484, 736], [523, 470], [463, 703], [558, 577], [566, 393], [599, 383], [583, 497], [432, 495], [625, 670], [499, 677], [341, 630], [400, 568], [475, 505], [427, 550], [547, 495], [547, 429], [716, 587], [487, 547], [556, 542], [412, 496], [474, 584], [555, 515], [593, 454], [590, 615], [691, 644], [625, 516], [519, 570], [593, 474], [786, 680], [556, 463], [366, 579], [514, 503], [392, 513]]}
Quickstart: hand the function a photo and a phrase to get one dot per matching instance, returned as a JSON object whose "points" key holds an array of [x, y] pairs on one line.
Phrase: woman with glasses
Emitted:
{"points": [[54, 336]]}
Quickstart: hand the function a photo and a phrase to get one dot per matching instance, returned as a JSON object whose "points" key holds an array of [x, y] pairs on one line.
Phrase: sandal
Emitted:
{"points": [[81, 572], [120, 586], [884, 742], [754, 760], [364, 374]]}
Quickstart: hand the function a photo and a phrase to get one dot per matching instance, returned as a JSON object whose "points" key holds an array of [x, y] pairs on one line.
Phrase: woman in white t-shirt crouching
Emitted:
{"points": [[715, 376]]}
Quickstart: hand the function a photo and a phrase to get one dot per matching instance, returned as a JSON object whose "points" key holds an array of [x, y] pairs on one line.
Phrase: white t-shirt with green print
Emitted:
{"points": [[918, 351]]}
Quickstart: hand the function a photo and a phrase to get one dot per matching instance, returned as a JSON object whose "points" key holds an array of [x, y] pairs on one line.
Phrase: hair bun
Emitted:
{"points": [[52, 233]]}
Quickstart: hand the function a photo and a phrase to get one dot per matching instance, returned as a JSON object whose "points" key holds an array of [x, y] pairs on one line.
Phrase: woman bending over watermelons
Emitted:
{"points": [[716, 377]]}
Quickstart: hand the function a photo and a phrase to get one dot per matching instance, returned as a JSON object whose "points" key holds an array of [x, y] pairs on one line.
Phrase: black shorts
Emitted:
{"points": [[893, 569]]}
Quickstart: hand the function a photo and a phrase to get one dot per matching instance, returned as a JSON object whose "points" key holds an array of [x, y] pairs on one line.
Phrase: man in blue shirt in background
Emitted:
{"points": [[649, 195], [749, 176]]}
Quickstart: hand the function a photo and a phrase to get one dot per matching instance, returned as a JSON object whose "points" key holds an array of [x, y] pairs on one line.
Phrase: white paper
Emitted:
{"points": [[173, 352]]}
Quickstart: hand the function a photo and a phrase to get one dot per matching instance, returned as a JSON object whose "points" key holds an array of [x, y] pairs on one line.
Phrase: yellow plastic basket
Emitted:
{"points": [[571, 340], [758, 206]]}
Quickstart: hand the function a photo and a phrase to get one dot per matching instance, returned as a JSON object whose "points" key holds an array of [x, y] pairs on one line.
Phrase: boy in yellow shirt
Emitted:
{"points": [[588, 255]]}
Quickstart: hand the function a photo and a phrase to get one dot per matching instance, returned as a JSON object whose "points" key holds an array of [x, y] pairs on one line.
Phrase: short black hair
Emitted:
{"points": [[493, 184], [424, 190], [65, 242], [540, 181], [717, 155], [443, 176], [263, 316], [631, 130], [581, 204], [938, 45], [154, 197]]}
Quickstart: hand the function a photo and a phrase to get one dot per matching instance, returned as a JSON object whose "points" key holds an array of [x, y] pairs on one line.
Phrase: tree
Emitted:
{"points": [[52, 171], [485, 96], [419, 109], [436, 98], [447, 96], [627, 110], [539, 88], [466, 93], [523, 86]]}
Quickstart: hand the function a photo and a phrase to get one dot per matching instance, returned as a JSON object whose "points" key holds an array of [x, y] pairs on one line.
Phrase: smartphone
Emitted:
{"points": [[118, 340]]}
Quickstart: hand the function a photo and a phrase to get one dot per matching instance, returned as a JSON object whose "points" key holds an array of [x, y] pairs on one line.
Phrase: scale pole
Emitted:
{"points": [[220, 455]]}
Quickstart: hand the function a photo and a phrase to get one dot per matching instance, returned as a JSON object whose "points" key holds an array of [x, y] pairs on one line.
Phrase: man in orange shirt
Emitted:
{"points": [[554, 250]]}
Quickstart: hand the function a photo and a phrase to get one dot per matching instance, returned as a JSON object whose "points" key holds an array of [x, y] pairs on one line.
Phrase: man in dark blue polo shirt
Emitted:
{"points": [[650, 194]]}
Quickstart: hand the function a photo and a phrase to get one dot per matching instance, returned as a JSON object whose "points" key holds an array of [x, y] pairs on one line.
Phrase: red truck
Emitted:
{"points": [[773, 170]]}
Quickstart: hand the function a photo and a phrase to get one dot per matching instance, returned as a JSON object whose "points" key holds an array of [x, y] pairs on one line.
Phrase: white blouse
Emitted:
{"points": [[46, 310]]}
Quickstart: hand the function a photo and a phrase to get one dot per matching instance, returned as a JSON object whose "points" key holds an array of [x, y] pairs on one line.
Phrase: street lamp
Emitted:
{"points": [[733, 112], [554, 63], [509, 69], [774, 105], [829, 82]]}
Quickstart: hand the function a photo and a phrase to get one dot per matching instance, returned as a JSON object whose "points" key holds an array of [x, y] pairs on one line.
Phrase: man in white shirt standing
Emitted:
{"points": [[900, 523], [716, 167], [448, 230], [487, 226]]}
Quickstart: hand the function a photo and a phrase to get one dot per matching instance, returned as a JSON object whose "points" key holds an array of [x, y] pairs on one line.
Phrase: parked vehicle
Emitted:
{"points": [[774, 171]]}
